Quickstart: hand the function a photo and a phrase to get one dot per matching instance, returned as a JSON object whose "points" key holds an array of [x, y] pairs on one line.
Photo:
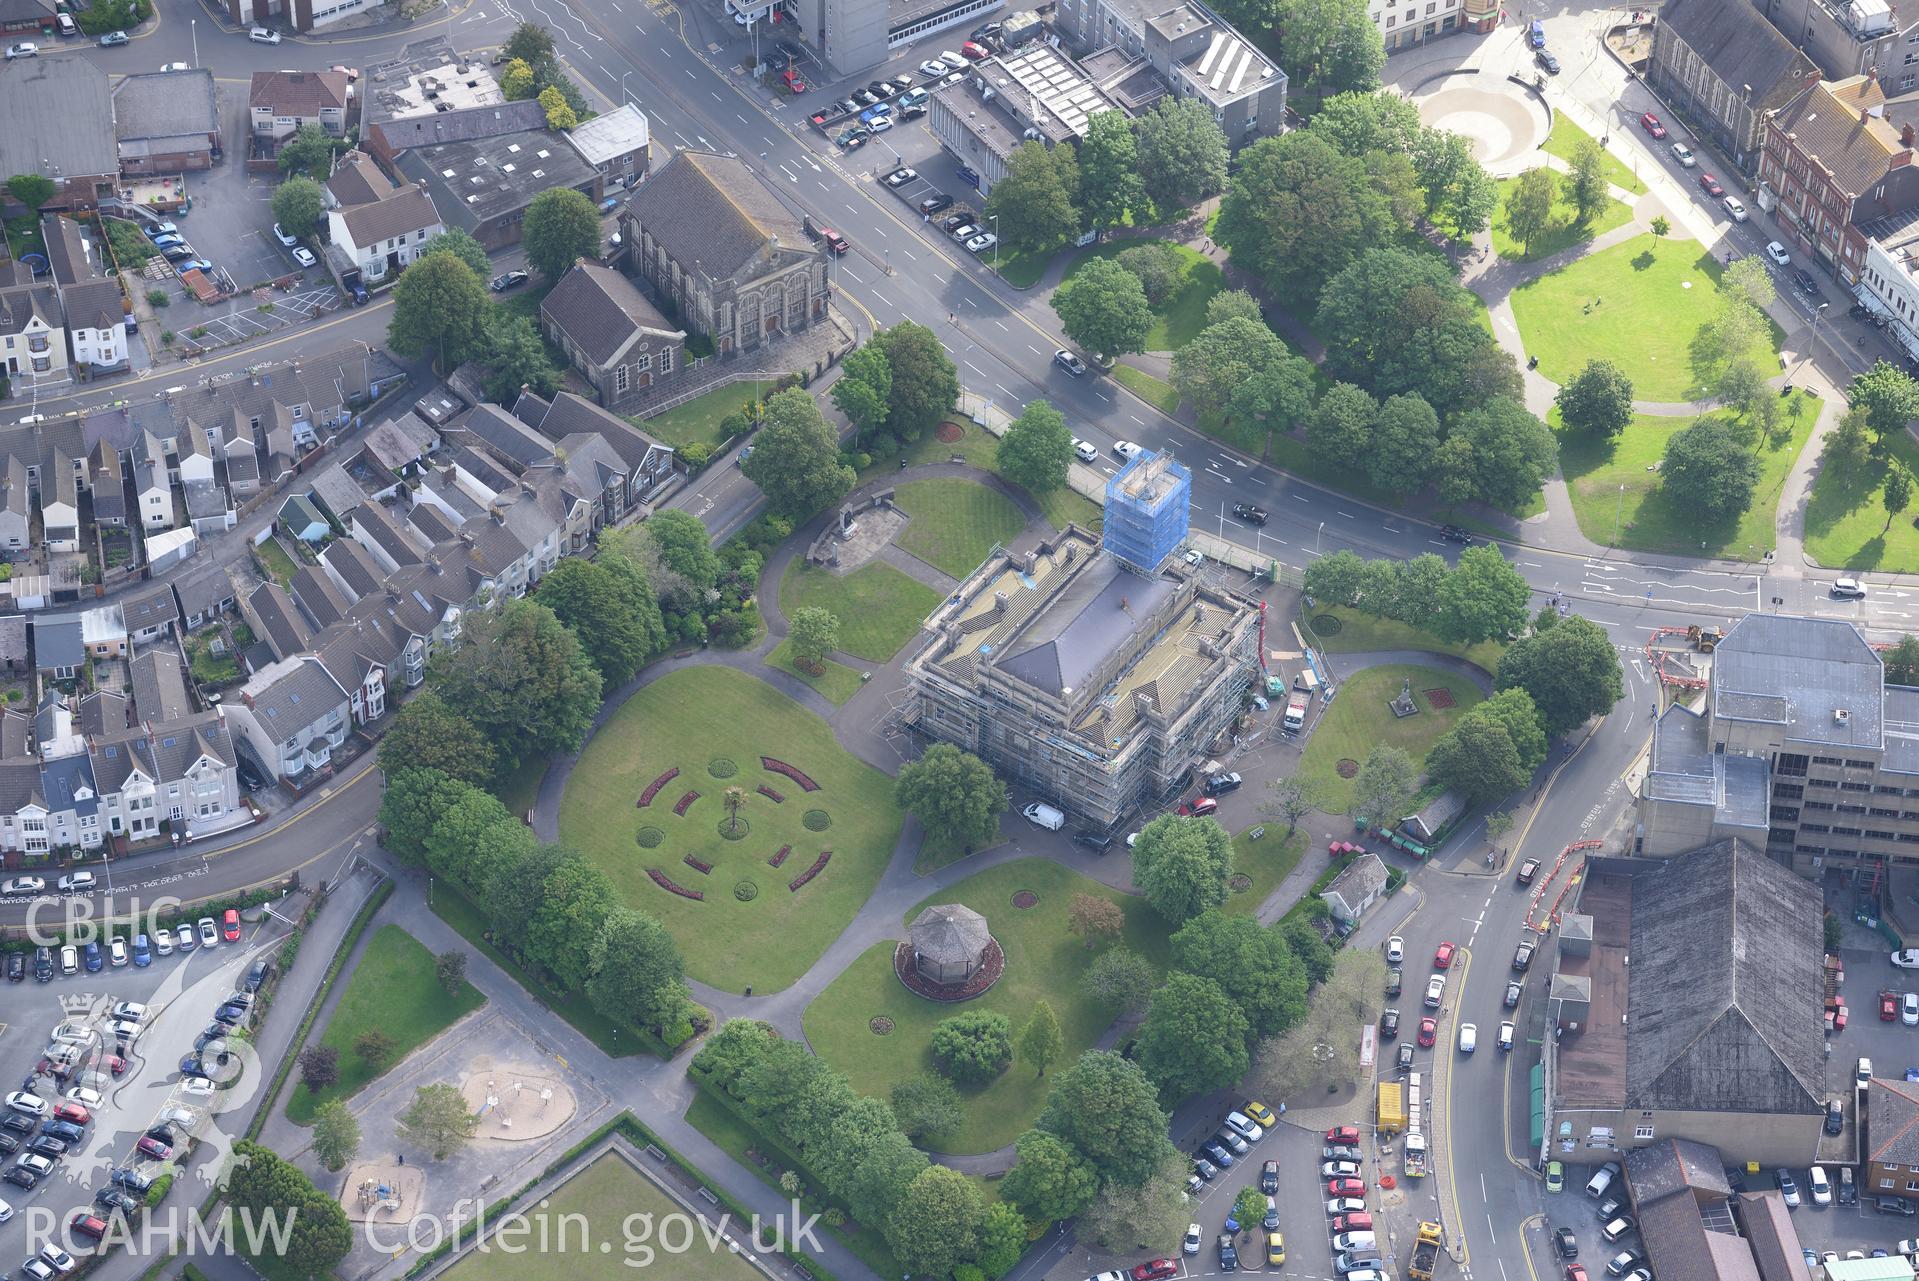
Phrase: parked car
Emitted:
{"points": [[934, 203], [1428, 1032], [263, 35], [1547, 62], [1269, 1177], [1389, 1025], [1346, 1186], [1435, 991], [1468, 1037], [1710, 185], [23, 885], [1395, 950], [1777, 252], [1343, 1134], [900, 177], [1073, 365], [25, 49], [981, 243], [1650, 123], [1220, 784], [1735, 209], [1523, 957], [209, 933], [1683, 154], [1788, 1189], [112, 39], [937, 70], [1443, 956]]}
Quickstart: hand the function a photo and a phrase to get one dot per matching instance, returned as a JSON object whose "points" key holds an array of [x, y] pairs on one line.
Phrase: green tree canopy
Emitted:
{"points": [[814, 632], [1329, 46], [1182, 865], [438, 1120], [309, 151], [1049, 1181], [1182, 152], [935, 1227], [413, 802], [521, 677], [1232, 304], [610, 606], [439, 308], [1571, 671], [1037, 448], [1103, 308], [638, 977], [1889, 397], [1109, 181], [561, 227], [427, 734], [1221, 358], [1482, 598], [1340, 431], [1498, 453], [1034, 200], [1194, 1037], [1121, 979], [796, 459], [32, 190], [1477, 759], [516, 358], [297, 205], [1902, 661], [1709, 471], [1297, 211], [462, 245], [336, 1135], [1529, 205], [1385, 786], [862, 391], [1104, 1108], [1405, 438], [1251, 963], [925, 380], [1040, 1042], [1598, 401], [1366, 121], [954, 794], [1586, 183], [927, 1106]]}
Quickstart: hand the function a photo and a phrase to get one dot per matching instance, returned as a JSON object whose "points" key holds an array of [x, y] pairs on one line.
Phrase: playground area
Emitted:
{"points": [[382, 1191], [516, 1101]]}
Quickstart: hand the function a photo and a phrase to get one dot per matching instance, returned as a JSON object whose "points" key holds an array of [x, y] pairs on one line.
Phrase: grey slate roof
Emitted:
{"points": [[319, 600], [466, 123], [21, 305], [1667, 1166], [301, 698], [1063, 644], [202, 591], [149, 606], [1363, 879], [504, 434], [16, 733], [1736, 41], [166, 104], [56, 642], [93, 305], [950, 934], [712, 210], [102, 712], [59, 118], [159, 686], [405, 211], [302, 94], [431, 523], [602, 311], [570, 415], [1724, 988], [177, 745], [373, 520], [1801, 674], [493, 177], [67, 783], [68, 256], [354, 564], [1892, 1119], [13, 639], [115, 756], [281, 626], [357, 179]]}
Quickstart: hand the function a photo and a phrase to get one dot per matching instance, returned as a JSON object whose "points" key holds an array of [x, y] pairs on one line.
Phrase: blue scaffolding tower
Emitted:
{"points": [[1147, 509]]}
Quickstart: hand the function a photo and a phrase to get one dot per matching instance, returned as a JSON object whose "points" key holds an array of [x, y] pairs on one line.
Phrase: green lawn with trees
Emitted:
{"points": [[1360, 718], [688, 720], [601, 1196], [1567, 136], [1156, 392], [697, 422], [879, 607], [1044, 960], [392, 990], [1361, 633], [1564, 229], [1846, 525], [1617, 482], [1182, 312], [1640, 304], [837, 684], [955, 523]]}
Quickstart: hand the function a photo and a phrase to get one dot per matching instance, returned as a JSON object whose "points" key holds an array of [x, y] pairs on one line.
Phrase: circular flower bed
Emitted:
{"points": [[746, 891], [733, 829], [1327, 624], [879, 1025], [1347, 767], [983, 979], [816, 820], [1025, 899], [1239, 883], [720, 767], [649, 837], [949, 433]]}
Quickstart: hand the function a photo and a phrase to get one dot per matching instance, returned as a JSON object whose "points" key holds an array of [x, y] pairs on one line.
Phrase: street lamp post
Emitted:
{"points": [[193, 26], [1812, 344], [624, 95], [995, 218], [1317, 537], [1618, 509]]}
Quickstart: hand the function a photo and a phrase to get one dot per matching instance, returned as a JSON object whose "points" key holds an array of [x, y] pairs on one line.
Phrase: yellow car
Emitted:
{"points": [[1260, 1113], [1275, 1248]]}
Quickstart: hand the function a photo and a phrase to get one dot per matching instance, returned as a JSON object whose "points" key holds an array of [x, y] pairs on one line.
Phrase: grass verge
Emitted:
{"points": [[836, 684], [1360, 633], [879, 608], [955, 523], [1566, 135], [698, 420], [1156, 392], [1846, 525], [1360, 717]]}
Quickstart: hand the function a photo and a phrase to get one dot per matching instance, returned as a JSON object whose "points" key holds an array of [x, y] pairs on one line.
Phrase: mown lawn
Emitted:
{"points": [[980, 447], [1566, 135], [1615, 486], [1846, 520], [1565, 230], [392, 989], [1182, 315], [879, 608], [1359, 717], [698, 420], [837, 684], [1360, 633], [955, 523], [1639, 304], [596, 1208], [1042, 960], [714, 724], [1156, 392]]}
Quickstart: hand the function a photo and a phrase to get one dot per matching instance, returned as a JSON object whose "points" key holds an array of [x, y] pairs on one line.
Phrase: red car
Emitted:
{"points": [[1575, 1272], [1155, 1270], [1711, 185], [83, 1224], [1443, 958], [1428, 1031], [230, 926], [1888, 1006], [973, 51], [793, 81], [1346, 1134], [1357, 1222], [116, 1064], [150, 1146], [1346, 1186], [1198, 807], [73, 1114], [1650, 123]]}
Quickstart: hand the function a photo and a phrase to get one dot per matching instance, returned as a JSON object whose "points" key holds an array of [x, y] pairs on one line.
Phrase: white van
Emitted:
{"points": [[1044, 816], [1347, 1242], [1596, 1188]]}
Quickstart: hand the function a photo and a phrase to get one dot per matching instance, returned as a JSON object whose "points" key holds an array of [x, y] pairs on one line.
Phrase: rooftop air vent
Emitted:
{"points": [[1842, 715]]}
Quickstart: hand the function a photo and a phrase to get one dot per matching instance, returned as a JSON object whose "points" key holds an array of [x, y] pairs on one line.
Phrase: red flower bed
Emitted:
{"points": [[780, 857], [811, 872], [679, 806], [665, 882], [698, 866], [653, 788], [770, 794], [798, 776]]}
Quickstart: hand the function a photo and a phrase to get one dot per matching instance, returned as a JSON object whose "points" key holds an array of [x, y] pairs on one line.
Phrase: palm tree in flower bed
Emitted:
{"points": [[735, 797]]}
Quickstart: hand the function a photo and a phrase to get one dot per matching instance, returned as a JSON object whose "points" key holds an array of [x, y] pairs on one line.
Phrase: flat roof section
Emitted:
{"points": [[1592, 1059]]}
